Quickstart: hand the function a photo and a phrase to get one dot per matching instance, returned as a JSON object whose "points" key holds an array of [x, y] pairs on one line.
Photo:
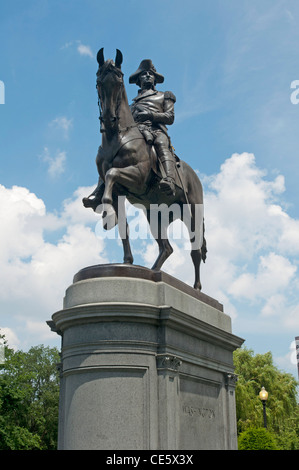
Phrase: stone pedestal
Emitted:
{"points": [[146, 363]]}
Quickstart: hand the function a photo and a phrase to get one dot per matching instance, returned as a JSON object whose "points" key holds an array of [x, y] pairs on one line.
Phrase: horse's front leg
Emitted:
{"points": [[95, 198], [109, 214], [129, 177], [123, 228]]}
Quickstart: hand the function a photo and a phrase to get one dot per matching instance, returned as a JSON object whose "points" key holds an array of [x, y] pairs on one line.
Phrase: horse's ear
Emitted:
{"points": [[118, 58], [100, 57]]}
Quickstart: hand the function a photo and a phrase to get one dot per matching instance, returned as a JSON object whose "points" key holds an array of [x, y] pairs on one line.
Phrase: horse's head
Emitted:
{"points": [[109, 86]]}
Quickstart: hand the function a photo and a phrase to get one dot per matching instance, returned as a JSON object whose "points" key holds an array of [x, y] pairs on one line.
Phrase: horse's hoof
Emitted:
{"points": [[155, 268], [87, 202], [197, 286], [90, 203]]}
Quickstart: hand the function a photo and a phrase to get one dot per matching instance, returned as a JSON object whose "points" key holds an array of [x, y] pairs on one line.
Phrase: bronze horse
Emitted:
{"points": [[128, 166]]}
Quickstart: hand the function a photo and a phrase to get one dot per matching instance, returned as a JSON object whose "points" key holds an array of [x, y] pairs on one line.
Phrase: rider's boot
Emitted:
{"points": [[167, 184]]}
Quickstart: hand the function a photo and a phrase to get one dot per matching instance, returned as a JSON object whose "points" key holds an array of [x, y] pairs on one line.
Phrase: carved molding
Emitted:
{"points": [[231, 380], [168, 362]]}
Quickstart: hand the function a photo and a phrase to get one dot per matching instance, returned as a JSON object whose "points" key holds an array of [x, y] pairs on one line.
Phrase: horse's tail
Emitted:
{"points": [[204, 249]]}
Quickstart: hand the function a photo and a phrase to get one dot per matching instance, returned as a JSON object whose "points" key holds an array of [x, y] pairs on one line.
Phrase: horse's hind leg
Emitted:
{"points": [[196, 258], [160, 234], [195, 227], [165, 250]]}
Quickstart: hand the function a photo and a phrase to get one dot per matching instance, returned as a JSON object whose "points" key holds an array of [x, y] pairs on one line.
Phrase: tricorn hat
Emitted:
{"points": [[146, 65]]}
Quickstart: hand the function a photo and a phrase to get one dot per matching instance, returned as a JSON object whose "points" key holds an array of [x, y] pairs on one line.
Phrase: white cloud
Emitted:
{"points": [[239, 202], [56, 164], [67, 45], [252, 250], [253, 244], [288, 359], [34, 272], [39, 329], [243, 215], [292, 317], [274, 306], [74, 211], [62, 123], [274, 273], [85, 50], [11, 338], [252, 241], [21, 211]]}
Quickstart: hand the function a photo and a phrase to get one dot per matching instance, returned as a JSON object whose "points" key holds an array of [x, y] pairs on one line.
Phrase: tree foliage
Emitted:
{"points": [[257, 439], [255, 371], [29, 393]]}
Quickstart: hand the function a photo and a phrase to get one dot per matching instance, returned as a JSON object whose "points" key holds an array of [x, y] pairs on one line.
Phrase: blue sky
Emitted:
{"points": [[230, 65]]}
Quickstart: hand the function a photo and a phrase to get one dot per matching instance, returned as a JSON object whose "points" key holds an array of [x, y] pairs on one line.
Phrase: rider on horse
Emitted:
{"points": [[153, 110]]}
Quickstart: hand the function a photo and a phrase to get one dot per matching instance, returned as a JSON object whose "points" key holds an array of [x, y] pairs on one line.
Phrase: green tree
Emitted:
{"points": [[256, 439], [255, 371], [29, 393]]}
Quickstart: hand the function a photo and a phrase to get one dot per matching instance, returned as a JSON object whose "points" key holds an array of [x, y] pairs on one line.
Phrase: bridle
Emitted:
{"points": [[124, 139], [110, 68], [100, 79]]}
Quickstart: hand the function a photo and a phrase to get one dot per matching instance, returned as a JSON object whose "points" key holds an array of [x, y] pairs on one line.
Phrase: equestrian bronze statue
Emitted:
{"points": [[136, 161]]}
